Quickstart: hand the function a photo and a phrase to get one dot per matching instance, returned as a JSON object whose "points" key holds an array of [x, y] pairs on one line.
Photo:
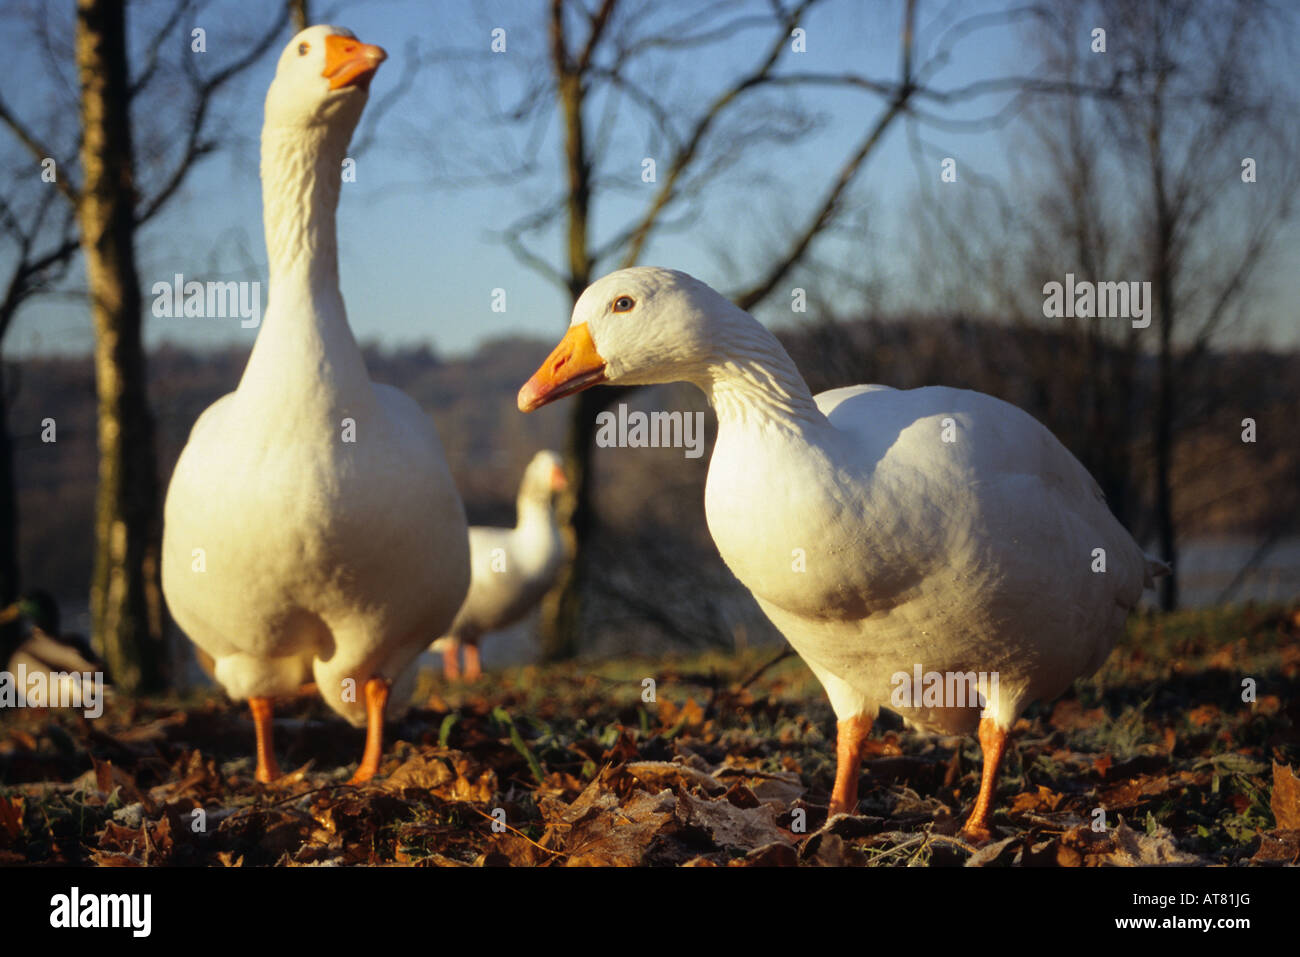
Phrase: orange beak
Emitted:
{"points": [[349, 62], [559, 481], [573, 366]]}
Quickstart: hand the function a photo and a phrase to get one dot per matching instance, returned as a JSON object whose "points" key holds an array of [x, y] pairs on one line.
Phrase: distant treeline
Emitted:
{"points": [[659, 574]]}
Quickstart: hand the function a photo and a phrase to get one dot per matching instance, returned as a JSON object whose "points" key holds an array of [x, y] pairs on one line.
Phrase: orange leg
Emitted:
{"points": [[451, 660], [850, 742], [376, 700], [993, 742], [267, 769], [473, 668]]}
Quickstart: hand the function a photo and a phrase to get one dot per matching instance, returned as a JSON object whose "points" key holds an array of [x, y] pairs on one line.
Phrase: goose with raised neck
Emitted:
{"points": [[312, 529], [882, 531]]}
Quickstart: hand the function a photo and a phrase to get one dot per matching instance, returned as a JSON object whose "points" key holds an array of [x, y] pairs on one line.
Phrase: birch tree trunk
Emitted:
{"points": [[126, 598]]}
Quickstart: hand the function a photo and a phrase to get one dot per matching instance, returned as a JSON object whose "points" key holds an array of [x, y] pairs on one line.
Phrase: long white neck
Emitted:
{"points": [[534, 512], [537, 542], [306, 325], [301, 176], [751, 380]]}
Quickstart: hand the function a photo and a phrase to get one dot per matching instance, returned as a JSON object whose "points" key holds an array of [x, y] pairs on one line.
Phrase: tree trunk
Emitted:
{"points": [[125, 598], [9, 583], [562, 609], [299, 16], [1164, 424], [1164, 441]]}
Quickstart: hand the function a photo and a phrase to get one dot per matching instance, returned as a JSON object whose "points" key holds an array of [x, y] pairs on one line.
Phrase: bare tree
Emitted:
{"points": [[1139, 148], [100, 218], [615, 64]]}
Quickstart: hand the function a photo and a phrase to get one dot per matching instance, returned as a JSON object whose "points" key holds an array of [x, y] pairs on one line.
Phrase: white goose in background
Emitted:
{"points": [[312, 527], [879, 530], [513, 568]]}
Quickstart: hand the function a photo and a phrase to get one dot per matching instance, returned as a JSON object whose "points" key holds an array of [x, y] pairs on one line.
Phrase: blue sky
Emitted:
{"points": [[420, 257]]}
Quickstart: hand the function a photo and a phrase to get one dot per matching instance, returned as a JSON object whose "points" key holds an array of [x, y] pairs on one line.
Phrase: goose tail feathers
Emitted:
{"points": [[1155, 568]]}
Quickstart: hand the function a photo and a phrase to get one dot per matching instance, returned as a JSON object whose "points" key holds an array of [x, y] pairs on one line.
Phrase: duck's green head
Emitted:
{"points": [[38, 607]]}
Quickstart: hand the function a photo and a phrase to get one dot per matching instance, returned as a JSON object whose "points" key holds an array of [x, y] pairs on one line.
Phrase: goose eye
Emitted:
{"points": [[303, 48], [624, 304]]}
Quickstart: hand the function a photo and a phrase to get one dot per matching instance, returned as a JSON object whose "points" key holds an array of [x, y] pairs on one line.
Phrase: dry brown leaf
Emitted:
{"points": [[690, 714], [622, 837], [1286, 797], [1278, 847], [833, 851], [11, 818], [624, 750], [729, 826], [657, 775], [597, 797], [450, 775], [1045, 799], [1134, 849], [1069, 715], [112, 859], [769, 855], [23, 739]]}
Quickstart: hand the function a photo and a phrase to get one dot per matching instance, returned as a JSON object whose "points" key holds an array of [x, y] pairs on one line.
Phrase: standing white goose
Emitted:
{"points": [[513, 568], [882, 531], [312, 526]]}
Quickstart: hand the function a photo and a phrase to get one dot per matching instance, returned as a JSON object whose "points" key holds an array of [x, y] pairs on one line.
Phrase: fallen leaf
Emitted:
{"points": [[1045, 799], [624, 836], [775, 854], [998, 852], [1069, 715], [1286, 797], [1133, 849], [729, 826], [1278, 846], [831, 850], [11, 818], [657, 775], [450, 775]]}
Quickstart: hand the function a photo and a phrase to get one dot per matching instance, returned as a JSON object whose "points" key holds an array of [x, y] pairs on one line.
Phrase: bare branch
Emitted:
{"points": [[405, 80], [687, 154], [196, 146], [155, 46], [760, 290], [598, 23], [36, 148]]}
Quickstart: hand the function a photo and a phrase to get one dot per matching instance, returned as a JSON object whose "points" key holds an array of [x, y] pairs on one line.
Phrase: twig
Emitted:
{"points": [[515, 830], [786, 652]]}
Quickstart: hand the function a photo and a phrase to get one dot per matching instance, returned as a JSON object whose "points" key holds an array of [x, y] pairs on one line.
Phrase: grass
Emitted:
{"points": [[548, 764]]}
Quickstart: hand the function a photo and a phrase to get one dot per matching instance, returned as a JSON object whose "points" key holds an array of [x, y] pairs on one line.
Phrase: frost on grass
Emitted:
{"points": [[570, 766]]}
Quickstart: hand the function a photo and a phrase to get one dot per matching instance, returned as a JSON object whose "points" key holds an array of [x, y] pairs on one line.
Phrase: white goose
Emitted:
{"points": [[513, 568], [880, 530], [312, 526]]}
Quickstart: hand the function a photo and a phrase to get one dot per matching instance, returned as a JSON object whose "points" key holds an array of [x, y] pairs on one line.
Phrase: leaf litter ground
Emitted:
{"points": [[731, 765]]}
